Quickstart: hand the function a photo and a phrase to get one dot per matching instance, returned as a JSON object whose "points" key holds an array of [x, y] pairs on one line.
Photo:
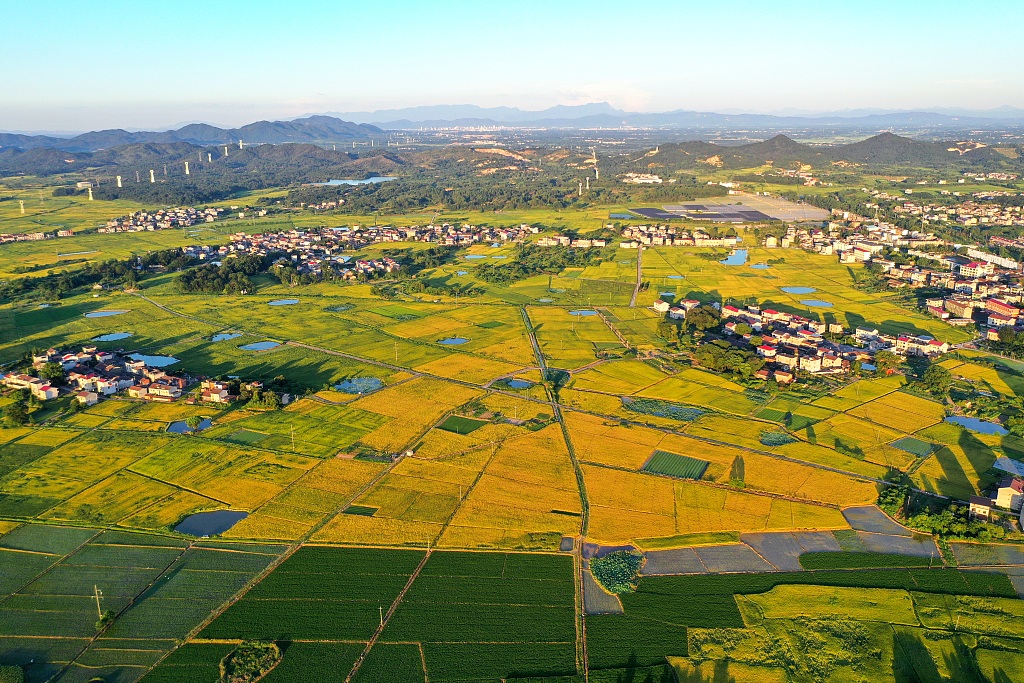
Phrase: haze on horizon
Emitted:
{"points": [[72, 67]]}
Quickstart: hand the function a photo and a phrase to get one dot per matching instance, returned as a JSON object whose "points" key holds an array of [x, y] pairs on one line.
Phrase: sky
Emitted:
{"points": [[69, 65]]}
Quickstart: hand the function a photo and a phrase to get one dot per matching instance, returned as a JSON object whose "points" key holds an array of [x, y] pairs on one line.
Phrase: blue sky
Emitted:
{"points": [[73, 65]]}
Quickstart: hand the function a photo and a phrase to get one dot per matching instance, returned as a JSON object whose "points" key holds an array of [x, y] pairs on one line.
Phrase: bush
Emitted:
{"points": [[651, 406], [776, 439], [617, 572], [249, 661]]}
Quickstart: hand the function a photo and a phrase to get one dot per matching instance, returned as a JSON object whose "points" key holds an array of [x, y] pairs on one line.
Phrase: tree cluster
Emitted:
{"points": [[721, 356], [231, 277], [530, 260], [111, 273]]}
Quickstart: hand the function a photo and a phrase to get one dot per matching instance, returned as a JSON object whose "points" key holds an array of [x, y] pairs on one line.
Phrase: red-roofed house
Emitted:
{"points": [[1000, 320]]}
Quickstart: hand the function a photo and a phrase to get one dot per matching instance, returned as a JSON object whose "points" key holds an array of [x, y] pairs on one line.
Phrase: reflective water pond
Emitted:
{"points": [[210, 523]]}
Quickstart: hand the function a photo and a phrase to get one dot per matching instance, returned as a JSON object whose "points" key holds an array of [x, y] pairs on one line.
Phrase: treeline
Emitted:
{"points": [[231, 277], [414, 261], [530, 260], [202, 190], [462, 192], [111, 273], [944, 518], [407, 287]]}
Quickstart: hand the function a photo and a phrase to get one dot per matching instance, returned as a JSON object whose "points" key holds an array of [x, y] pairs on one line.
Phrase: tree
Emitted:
{"points": [[937, 380], [886, 361], [743, 329], [703, 318], [193, 422], [15, 413], [1016, 424], [738, 472], [666, 330], [105, 619], [52, 373]]}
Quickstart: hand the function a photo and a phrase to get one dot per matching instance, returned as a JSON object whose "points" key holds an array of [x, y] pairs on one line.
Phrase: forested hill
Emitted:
{"points": [[463, 176], [316, 129], [884, 150], [282, 164]]}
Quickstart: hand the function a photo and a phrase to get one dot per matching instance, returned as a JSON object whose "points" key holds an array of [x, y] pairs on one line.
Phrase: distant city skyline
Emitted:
{"points": [[75, 67]]}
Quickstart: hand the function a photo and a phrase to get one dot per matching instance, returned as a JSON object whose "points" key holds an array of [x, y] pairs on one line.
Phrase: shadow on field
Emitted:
{"points": [[633, 672], [911, 661], [954, 479], [979, 454], [962, 664], [719, 675], [304, 369]]}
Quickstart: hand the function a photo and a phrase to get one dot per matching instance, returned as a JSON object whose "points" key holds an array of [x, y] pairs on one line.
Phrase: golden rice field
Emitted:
{"points": [[570, 341], [509, 484], [622, 377], [902, 411], [625, 506], [527, 494]]}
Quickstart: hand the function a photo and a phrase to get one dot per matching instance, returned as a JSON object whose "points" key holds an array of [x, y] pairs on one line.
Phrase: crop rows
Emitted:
{"points": [[679, 466], [484, 616], [319, 594]]}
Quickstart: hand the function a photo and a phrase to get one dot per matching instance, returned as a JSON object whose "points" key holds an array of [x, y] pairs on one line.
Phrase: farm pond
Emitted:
{"points": [[180, 427], [154, 361], [260, 346], [113, 336], [976, 425], [210, 523], [736, 258], [103, 314]]}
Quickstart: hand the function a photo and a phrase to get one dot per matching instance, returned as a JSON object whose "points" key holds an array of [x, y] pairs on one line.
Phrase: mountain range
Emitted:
{"points": [[309, 129], [602, 114], [305, 162], [348, 126]]}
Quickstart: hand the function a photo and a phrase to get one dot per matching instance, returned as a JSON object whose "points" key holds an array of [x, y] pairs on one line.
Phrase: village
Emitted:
{"points": [[790, 343], [972, 212], [309, 251], [91, 374], [140, 221], [163, 219], [635, 236], [976, 287]]}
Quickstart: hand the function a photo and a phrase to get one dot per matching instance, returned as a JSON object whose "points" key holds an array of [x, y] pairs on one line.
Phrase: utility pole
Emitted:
{"points": [[99, 595], [293, 438]]}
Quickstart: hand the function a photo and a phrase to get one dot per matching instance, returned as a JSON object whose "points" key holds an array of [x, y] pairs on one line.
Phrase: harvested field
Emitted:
{"points": [[783, 549], [870, 518], [732, 558], [669, 562], [597, 600]]}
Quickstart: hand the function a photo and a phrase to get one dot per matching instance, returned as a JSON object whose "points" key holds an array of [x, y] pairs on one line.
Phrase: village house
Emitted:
{"points": [[212, 391], [980, 508], [1009, 494], [87, 398]]}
